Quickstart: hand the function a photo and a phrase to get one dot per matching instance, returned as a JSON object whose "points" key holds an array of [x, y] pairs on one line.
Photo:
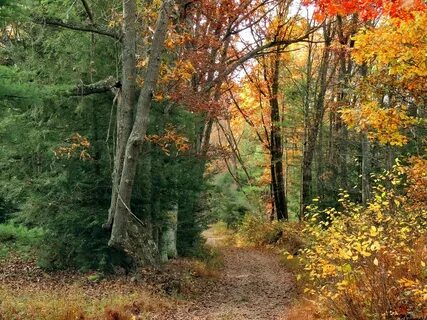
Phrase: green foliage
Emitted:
{"points": [[18, 239], [66, 196], [228, 203], [18, 234]]}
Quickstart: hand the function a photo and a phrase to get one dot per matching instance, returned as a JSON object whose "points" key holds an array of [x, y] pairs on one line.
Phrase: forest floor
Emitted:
{"points": [[244, 283]]}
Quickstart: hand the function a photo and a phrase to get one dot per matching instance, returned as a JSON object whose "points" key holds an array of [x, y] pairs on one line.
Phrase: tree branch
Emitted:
{"points": [[101, 86], [88, 11], [261, 49], [78, 26]]}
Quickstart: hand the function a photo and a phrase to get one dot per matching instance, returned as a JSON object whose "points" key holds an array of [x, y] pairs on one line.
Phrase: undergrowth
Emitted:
{"points": [[75, 304], [18, 239]]}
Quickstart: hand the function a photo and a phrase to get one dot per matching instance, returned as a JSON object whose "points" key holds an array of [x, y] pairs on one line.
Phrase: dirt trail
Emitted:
{"points": [[252, 285]]}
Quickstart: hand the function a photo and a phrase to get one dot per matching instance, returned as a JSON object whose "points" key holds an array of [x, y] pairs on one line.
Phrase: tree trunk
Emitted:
{"points": [[126, 100], [128, 232], [168, 236], [312, 132], [276, 150], [366, 169]]}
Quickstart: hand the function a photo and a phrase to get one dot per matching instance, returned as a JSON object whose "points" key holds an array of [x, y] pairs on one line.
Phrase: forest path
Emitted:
{"points": [[252, 285]]}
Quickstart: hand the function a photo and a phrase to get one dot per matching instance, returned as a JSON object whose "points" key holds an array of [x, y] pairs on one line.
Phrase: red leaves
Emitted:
{"points": [[366, 9]]}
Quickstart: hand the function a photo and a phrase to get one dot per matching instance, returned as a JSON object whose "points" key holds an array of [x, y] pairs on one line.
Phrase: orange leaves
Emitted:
{"points": [[77, 147], [168, 139], [182, 70]]}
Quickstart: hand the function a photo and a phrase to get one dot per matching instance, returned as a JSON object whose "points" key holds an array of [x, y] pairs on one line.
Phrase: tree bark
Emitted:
{"points": [[126, 101], [128, 232], [366, 169], [276, 150], [102, 86]]}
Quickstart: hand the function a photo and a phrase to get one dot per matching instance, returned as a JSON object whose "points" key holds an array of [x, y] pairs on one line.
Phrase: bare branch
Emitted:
{"points": [[255, 52]]}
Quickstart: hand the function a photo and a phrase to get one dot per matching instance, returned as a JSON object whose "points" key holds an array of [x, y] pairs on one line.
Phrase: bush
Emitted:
{"points": [[76, 240], [18, 238], [369, 262]]}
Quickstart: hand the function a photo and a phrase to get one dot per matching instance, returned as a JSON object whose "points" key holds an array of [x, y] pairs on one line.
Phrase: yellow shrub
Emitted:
{"points": [[369, 262]]}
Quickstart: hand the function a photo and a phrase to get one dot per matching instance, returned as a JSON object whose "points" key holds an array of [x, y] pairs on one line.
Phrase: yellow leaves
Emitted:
{"points": [[398, 45], [417, 176], [183, 70], [345, 254], [362, 249], [373, 231], [375, 246], [176, 39], [289, 257], [115, 19], [358, 243], [169, 139], [395, 51], [346, 268], [342, 285], [328, 269], [382, 124]]}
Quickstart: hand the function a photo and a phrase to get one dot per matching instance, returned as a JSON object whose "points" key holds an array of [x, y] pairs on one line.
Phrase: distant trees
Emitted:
{"points": [[337, 89]]}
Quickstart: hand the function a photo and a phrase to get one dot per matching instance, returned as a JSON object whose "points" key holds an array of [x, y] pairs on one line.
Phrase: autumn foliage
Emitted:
{"points": [[369, 263], [367, 9]]}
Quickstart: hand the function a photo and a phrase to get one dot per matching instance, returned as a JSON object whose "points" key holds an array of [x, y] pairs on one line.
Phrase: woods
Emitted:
{"points": [[129, 128]]}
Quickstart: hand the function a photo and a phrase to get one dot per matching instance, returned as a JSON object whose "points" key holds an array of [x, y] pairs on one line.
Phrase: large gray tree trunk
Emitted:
{"points": [[129, 233], [366, 169], [126, 101]]}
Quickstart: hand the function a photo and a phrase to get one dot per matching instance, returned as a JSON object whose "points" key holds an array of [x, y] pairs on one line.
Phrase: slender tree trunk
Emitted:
{"points": [[305, 168], [366, 169], [311, 138], [277, 174]]}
